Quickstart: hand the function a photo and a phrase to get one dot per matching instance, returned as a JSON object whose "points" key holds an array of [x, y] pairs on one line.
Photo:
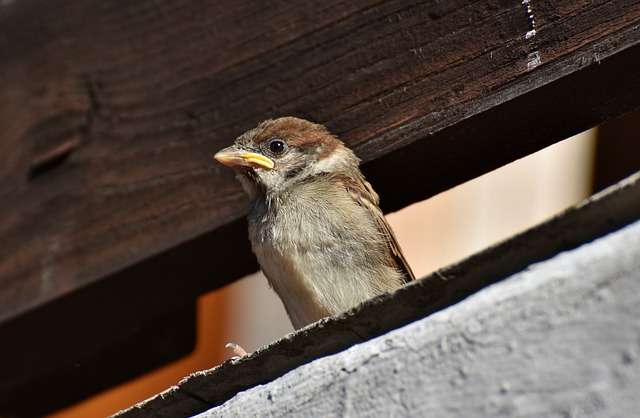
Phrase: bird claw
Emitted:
{"points": [[239, 351]]}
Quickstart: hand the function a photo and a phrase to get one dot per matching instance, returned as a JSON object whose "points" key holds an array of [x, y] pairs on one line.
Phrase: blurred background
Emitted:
{"points": [[432, 233]]}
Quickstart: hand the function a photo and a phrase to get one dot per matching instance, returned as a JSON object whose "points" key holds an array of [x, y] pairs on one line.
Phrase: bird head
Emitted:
{"points": [[281, 152]]}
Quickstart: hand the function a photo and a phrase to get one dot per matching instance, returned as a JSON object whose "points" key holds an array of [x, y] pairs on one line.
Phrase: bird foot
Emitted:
{"points": [[239, 351]]}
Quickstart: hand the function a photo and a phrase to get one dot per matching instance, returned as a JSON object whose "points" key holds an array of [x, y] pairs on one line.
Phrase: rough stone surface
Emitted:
{"points": [[560, 339]]}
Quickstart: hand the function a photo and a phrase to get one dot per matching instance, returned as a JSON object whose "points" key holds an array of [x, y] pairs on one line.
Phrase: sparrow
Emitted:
{"points": [[314, 221]]}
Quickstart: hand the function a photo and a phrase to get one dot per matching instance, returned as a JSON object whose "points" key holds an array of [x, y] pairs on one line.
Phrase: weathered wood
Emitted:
{"points": [[617, 150], [42, 373], [111, 112], [130, 101], [114, 330], [601, 214]]}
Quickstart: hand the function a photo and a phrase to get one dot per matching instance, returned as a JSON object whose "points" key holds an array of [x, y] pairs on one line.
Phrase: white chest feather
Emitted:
{"points": [[321, 256]]}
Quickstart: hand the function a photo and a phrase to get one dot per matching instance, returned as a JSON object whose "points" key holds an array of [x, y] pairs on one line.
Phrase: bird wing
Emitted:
{"points": [[362, 192]]}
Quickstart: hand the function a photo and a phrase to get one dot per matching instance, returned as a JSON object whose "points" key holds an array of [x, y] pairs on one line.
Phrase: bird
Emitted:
{"points": [[314, 221]]}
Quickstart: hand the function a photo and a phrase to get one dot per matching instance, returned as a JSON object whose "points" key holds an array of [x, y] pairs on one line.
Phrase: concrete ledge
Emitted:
{"points": [[560, 339]]}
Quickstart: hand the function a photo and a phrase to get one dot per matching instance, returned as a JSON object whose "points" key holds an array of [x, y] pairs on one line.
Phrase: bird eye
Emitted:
{"points": [[277, 146]]}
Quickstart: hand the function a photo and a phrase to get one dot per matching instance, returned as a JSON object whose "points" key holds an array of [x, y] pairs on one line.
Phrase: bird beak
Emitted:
{"points": [[236, 157]]}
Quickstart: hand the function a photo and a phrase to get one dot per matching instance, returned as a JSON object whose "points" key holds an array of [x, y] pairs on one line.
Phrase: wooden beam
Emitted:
{"points": [[617, 149], [111, 112], [110, 118]]}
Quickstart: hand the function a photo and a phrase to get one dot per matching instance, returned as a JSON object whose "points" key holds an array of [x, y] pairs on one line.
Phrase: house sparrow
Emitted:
{"points": [[314, 222]]}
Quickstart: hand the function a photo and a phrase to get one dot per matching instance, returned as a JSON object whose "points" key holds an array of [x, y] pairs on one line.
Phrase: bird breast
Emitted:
{"points": [[320, 251]]}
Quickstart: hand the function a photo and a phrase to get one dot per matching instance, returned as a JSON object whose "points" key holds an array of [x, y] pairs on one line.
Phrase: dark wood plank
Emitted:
{"points": [[111, 112], [617, 150], [43, 372], [114, 330]]}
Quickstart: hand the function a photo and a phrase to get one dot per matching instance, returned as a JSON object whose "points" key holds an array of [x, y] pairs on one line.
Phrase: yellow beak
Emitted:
{"points": [[235, 157]]}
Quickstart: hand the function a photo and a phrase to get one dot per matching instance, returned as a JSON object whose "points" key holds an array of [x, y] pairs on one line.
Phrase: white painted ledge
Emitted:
{"points": [[560, 339]]}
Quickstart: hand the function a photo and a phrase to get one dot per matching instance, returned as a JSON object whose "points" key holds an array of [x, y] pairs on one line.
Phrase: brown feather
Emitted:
{"points": [[362, 192]]}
